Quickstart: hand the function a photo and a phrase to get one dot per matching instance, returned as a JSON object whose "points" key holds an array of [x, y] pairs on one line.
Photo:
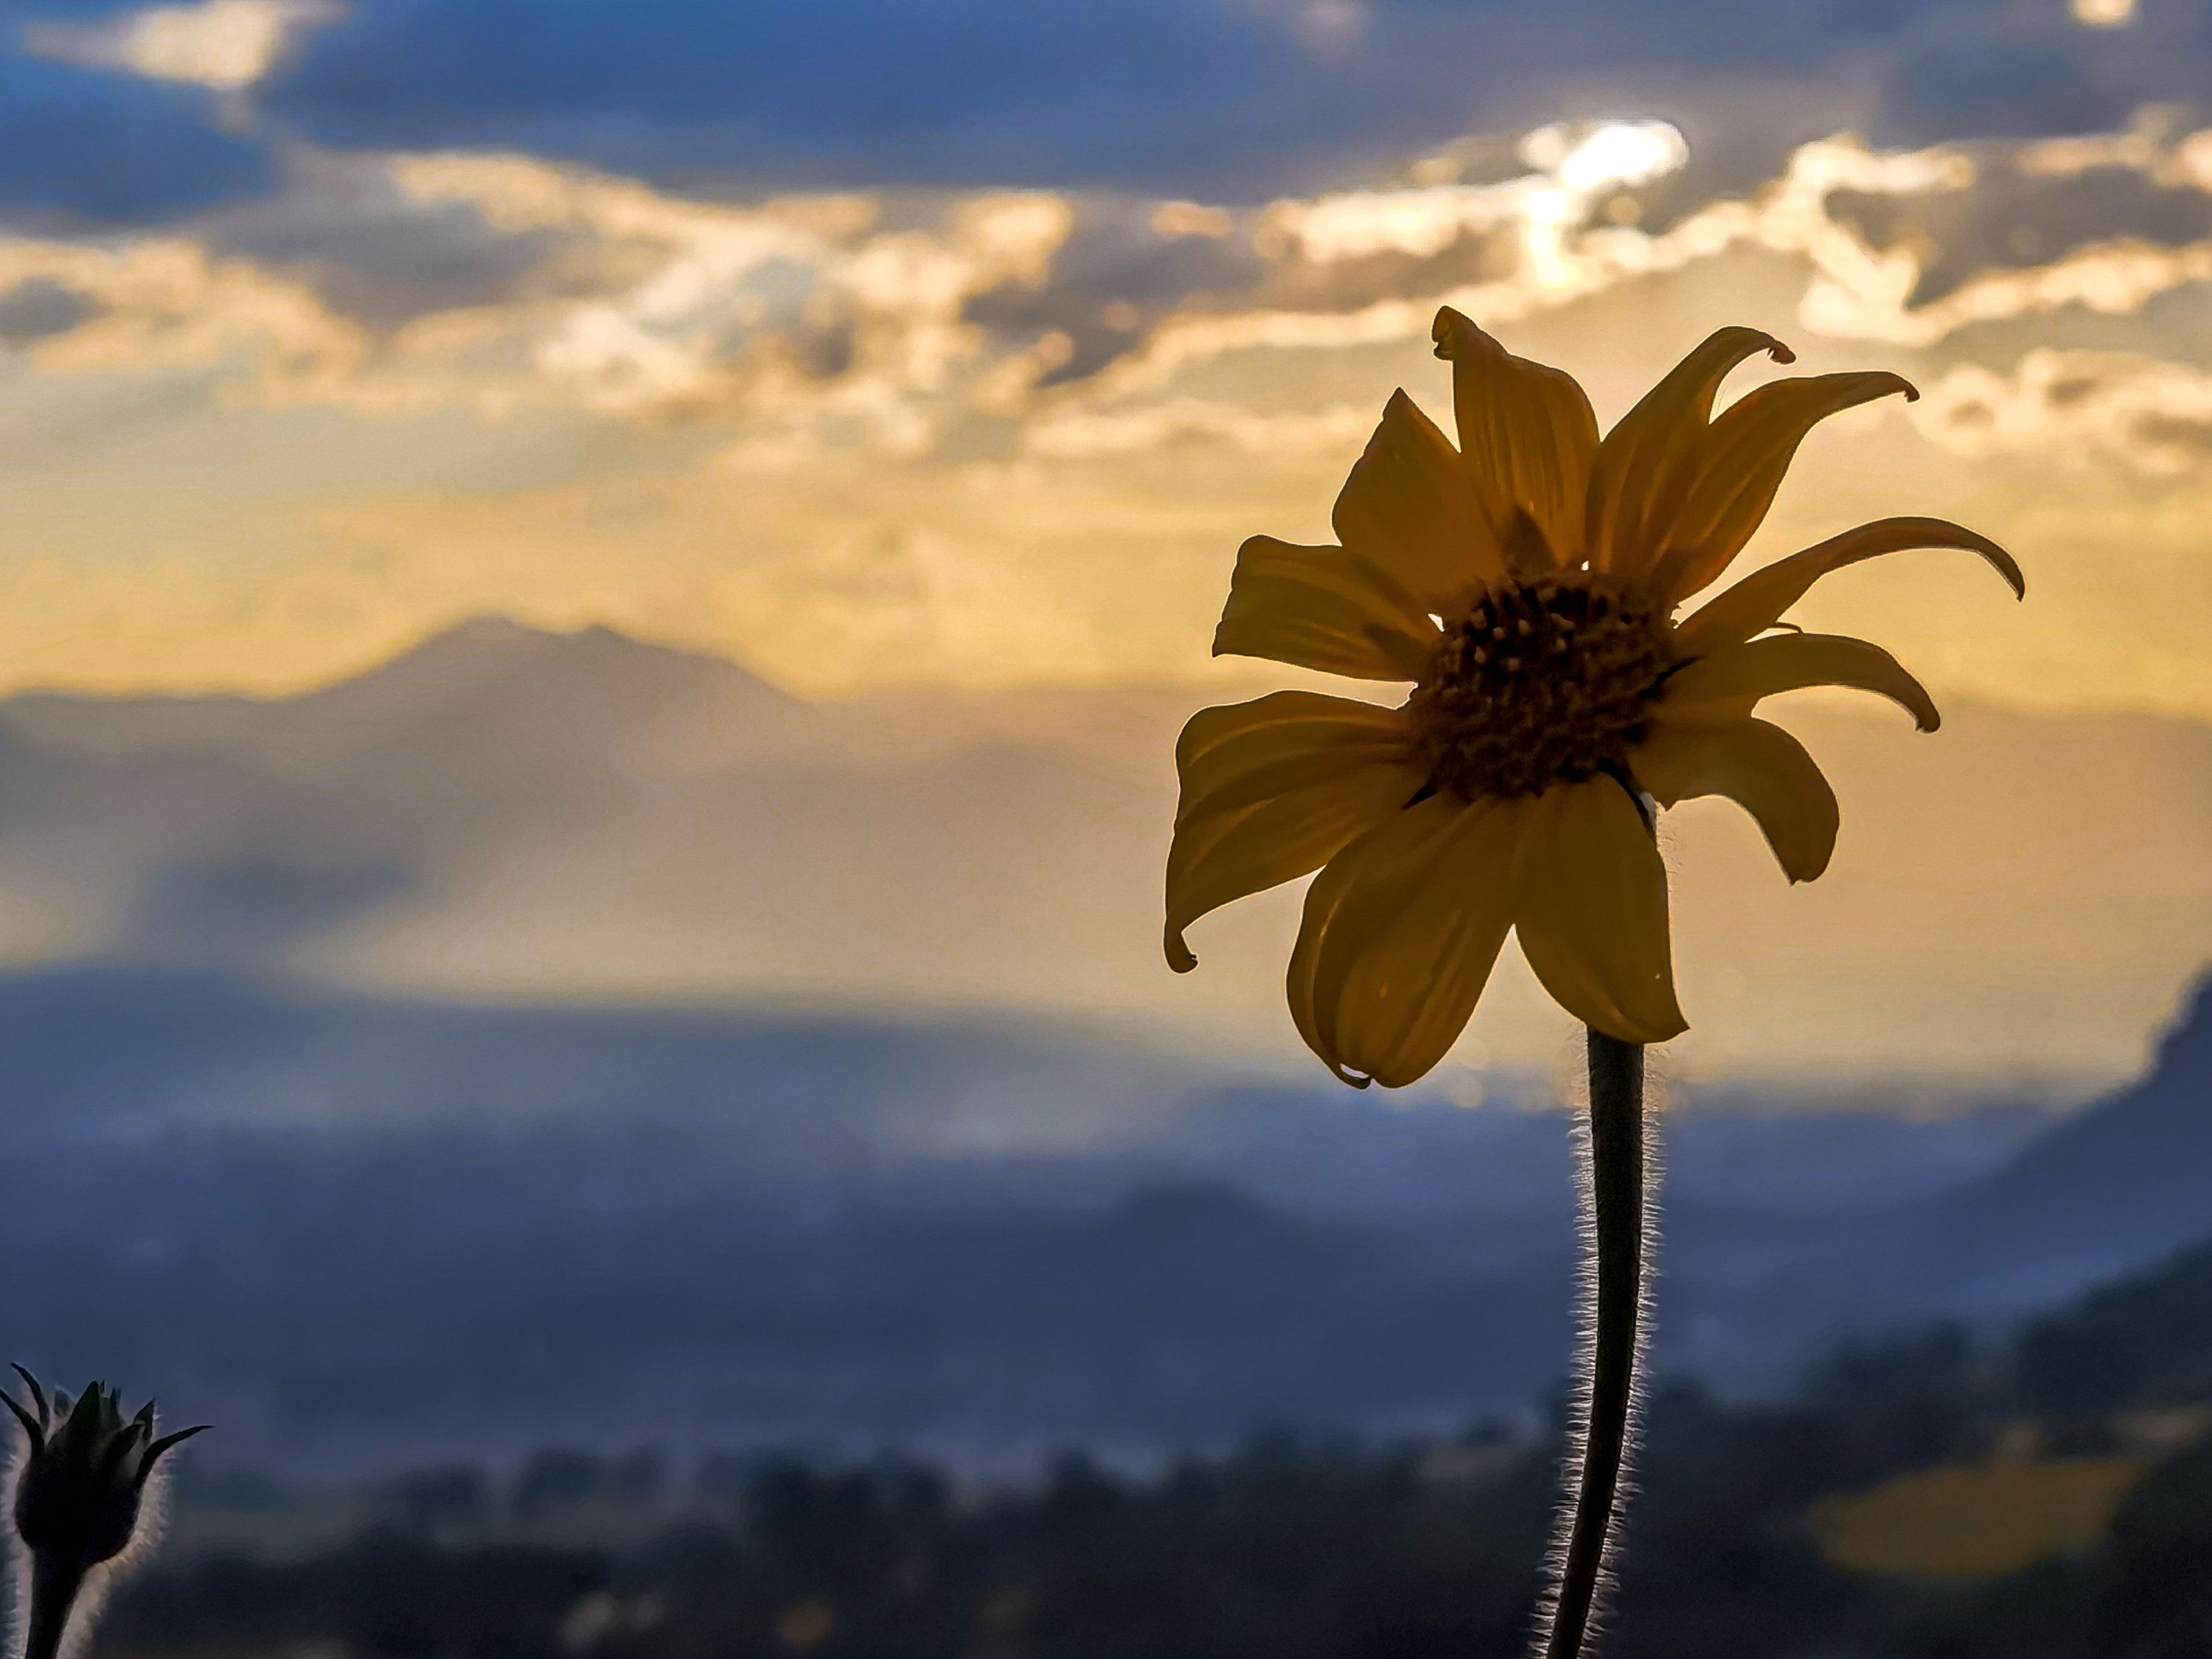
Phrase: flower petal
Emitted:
{"points": [[1732, 680], [1590, 896], [1759, 765], [1645, 466], [1326, 608], [1756, 602], [1400, 933], [1746, 451], [1272, 790], [1527, 437], [1407, 510]]}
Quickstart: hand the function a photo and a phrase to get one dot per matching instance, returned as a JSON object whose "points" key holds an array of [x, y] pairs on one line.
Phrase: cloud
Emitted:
{"points": [[807, 316], [1905, 249], [993, 436], [1549, 246], [225, 46], [1226, 100], [1573, 170], [963, 92], [157, 304], [38, 307], [906, 323], [2148, 415], [344, 226], [81, 147], [788, 309]]}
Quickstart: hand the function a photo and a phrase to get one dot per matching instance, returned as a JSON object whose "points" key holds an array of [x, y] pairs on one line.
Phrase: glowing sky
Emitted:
{"points": [[878, 343], [902, 344]]}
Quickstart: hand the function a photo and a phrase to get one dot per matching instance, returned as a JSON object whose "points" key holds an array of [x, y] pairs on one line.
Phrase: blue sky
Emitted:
{"points": [[1227, 99]]}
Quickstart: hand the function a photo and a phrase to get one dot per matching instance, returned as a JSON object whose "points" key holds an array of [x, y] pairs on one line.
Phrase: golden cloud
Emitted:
{"points": [[930, 455], [2152, 416], [225, 45]]}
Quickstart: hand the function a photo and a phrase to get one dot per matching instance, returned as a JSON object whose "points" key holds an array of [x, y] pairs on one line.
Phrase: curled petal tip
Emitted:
{"points": [[1779, 352], [1181, 957], [1456, 333]]}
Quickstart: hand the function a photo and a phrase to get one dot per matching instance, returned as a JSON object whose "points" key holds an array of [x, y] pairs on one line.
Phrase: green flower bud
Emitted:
{"points": [[79, 1488]]}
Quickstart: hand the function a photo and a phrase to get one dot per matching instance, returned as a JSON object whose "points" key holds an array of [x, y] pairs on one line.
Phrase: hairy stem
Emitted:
{"points": [[55, 1582], [1613, 1343]]}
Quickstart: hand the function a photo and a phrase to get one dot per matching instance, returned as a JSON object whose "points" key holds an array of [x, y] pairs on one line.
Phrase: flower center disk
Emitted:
{"points": [[1539, 684]]}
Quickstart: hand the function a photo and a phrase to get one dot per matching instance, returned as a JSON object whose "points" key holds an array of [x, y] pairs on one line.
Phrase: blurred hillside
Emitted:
{"points": [[359, 1232], [505, 813], [2050, 1492]]}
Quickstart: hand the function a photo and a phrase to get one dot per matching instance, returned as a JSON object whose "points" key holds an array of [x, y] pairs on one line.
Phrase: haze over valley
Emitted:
{"points": [[2017, 904]]}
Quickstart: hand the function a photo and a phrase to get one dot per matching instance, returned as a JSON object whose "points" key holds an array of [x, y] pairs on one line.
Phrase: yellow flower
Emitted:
{"points": [[1526, 584]]}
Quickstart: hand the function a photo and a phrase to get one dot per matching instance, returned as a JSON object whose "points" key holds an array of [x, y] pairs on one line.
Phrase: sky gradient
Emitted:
{"points": [[877, 343]]}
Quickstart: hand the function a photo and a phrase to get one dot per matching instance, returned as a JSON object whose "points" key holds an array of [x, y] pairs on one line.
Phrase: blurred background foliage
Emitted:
{"points": [[2048, 1492]]}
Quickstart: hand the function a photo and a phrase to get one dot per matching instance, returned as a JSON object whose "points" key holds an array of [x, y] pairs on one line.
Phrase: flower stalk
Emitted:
{"points": [[1617, 1219], [56, 1584]]}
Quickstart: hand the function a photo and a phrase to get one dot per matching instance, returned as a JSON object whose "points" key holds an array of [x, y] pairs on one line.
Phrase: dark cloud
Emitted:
{"points": [[1227, 97], [2193, 437], [80, 146], [39, 309], [1115, 276], [865, 91], [2027, 72], [2005, 89], [343, 228], [2011, 220]]}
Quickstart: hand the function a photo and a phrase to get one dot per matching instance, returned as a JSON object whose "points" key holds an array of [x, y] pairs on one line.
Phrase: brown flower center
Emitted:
{"points": [[1538, 683]]}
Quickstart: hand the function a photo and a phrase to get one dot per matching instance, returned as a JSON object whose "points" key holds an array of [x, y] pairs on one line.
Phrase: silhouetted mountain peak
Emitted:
{"points": [[483, 636], [499, 650], [525, 689]]}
